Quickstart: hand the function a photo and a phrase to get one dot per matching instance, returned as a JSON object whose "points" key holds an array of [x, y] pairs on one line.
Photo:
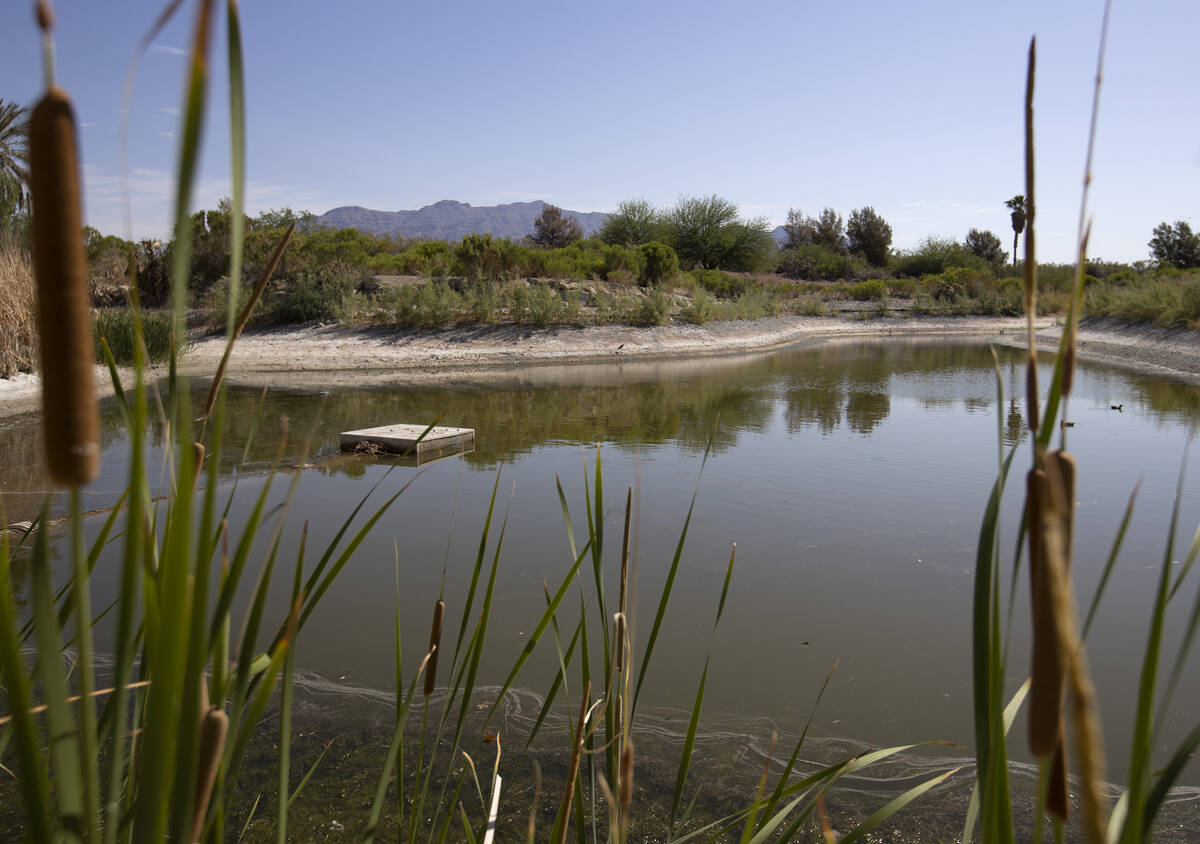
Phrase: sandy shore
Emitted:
{"points": [[379, 355]]}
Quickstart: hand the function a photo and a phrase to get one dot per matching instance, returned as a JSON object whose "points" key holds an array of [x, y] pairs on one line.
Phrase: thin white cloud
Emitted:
{"points": [[167, 48], [152, 194], [170, 111]]}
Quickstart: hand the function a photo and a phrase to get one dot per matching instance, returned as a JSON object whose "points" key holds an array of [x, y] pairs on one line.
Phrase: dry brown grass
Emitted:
{"points": [[18, 325]]}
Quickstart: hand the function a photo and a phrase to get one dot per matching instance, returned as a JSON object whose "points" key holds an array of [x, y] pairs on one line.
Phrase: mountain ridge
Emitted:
{"points": [[449, 219]]}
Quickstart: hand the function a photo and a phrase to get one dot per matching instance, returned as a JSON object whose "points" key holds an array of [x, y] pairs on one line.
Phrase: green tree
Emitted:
{"points": [[987, 246], [828, 231], [869, 235], [14, 158], [1176, 245], [1017, 204], [660, 262], [706, 232], [552, 229], [633, 223]]}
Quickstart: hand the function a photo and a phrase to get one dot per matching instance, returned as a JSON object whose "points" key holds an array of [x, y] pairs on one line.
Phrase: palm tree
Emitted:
{"points": [[14, 152], [1017, 204]]}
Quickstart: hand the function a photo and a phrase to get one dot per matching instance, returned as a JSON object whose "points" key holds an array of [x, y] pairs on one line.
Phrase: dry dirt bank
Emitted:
{"points": [[376, 355]]}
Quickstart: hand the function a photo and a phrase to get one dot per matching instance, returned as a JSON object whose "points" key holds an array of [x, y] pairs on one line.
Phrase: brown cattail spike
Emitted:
{"points": [[1045, 690], [71, 419], [45, 17], [198, 452], [435, 640], [626, 787], [213, 728], [1057, 798], [619, 642]]}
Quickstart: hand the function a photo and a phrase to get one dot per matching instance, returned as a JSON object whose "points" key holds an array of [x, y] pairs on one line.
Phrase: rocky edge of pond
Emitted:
{"points": [[364, 356]]}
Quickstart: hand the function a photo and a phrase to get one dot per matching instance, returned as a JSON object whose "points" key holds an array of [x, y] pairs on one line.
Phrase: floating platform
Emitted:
{"points": [[403, 440]]}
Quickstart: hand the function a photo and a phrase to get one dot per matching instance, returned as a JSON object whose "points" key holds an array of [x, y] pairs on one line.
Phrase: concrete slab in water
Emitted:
{"points": [[402, 439]]}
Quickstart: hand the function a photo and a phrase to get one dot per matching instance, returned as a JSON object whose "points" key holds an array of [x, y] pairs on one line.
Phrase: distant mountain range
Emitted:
{"points": [[450, 220]]}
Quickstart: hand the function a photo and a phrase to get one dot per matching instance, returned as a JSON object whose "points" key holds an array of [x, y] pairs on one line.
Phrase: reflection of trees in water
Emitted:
{"points": [[1168, 400], [1014, 425], [865, 410], [508, 421], [819, 387], [813, 406]]}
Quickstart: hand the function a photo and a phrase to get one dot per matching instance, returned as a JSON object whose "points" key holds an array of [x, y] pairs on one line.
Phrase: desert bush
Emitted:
{"points": [[429, 305], [661, 263], [652, 309], [869, 290], [623, 261], [482, 302], [752, 303], [544, 306], [480, 256], [936, 255], [725, 285], [700, 309], [118, 328], [312, 296], [819, 262]]}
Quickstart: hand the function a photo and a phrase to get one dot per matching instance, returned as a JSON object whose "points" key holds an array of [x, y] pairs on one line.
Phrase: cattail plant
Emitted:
{"points": [[71, 417], [435, 641]]}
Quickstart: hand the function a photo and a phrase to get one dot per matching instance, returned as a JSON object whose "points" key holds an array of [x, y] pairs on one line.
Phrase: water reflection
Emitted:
{"points": [[852, 475]]}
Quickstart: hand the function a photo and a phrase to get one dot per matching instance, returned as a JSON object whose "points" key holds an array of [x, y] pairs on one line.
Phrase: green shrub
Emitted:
{"points": [[430, 305], [819, 262], [653, 308], [725, 285], [935, 255], [312, 296], [481, 301], [544, 306], [661, 263], [700, 309], [116, 326], [623, 261], [865, 291]]}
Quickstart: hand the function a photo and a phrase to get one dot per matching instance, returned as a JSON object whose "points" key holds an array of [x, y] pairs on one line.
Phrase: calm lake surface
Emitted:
{"points": [[851, 475]]}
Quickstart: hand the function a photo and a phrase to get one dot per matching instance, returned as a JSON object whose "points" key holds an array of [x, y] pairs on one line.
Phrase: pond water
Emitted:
{"points": [[851, 475]]}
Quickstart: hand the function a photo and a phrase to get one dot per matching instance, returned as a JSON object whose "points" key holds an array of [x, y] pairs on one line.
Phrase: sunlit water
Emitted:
{"points": [[852, 477]]}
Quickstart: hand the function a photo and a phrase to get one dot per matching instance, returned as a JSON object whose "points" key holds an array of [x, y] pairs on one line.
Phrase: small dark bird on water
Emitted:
{"points": [[1118, 407], [1065, 424]]}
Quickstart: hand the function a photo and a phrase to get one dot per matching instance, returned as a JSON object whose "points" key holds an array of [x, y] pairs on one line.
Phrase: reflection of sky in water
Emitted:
{"points": [[852, 477]]}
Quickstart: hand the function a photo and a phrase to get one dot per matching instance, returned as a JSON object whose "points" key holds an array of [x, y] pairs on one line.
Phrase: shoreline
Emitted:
{"points": [[309, 355]]}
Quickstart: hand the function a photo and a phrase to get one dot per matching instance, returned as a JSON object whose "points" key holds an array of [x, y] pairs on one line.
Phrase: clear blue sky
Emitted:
{"points": [[913, 108]]}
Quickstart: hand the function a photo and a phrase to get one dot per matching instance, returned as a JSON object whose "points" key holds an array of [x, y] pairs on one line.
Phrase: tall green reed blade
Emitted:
{"points": [[1111, 562], [535, 637], [81, 602], [1010, 714], [1167, 778], [786, 774], [237, 156], [988, 670], [61, 735], [18, 693], [689, 742], [125, 645], [167, 643], [469, 669], [285, 702], [670, 582], [892, 806], [1139, 775], [559, 682]]}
